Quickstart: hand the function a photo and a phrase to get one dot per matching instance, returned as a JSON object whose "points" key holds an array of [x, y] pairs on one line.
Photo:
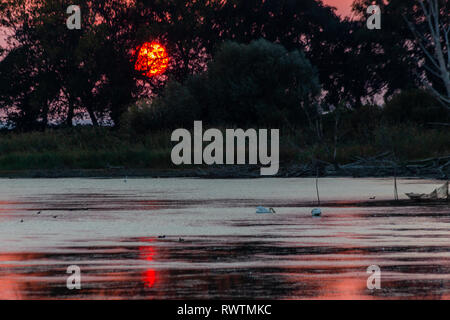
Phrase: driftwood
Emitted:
{"points": [[439, 124], [381, 165], [441, 193]]}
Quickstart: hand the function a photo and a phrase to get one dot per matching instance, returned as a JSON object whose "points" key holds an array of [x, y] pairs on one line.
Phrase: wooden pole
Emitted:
{"points": [[317, 186], [395, 184]]}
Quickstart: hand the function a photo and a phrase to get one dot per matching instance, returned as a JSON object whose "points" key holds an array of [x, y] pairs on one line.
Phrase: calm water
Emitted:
{"points": [[113, 231]]}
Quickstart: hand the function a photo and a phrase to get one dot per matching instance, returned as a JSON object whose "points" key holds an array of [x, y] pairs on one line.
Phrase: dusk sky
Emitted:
{"points": [[343, 6]]}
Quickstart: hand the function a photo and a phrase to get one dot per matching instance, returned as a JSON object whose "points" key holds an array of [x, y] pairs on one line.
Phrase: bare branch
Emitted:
{"points": [[436, 55], [447, 44], [433, 72]]}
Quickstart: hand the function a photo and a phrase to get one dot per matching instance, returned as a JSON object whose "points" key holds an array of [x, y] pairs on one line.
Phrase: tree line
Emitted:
{"points": [[52, 74]]}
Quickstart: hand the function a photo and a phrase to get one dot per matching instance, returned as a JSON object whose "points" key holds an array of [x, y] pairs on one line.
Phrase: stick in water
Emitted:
{"points": [[317, 186], [395, 184]]}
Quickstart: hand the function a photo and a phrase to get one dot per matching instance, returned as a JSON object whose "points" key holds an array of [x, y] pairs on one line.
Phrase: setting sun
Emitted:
{"points": [[220, 159], [152, 59]]}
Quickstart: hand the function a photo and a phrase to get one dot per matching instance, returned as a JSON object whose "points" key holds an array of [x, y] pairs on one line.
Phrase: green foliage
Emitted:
{"points": [[416, 106], [81, 148], [92, 69], [389, 58], [412, 141], [102, 148], [53, 71], [259, 84], [139, 118]]}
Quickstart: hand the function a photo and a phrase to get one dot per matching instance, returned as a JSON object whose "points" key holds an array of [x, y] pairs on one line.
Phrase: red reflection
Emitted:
{"points": [[147, 253], [149, 278]]}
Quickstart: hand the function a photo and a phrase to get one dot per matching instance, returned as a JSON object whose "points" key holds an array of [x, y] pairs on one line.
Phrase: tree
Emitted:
{"points": [[185, 28], [308, 26], [262, 84], [27, 91], [257, 84], [93, 67], [89, 69], [394, 57], [416, 106], [435, 45]]}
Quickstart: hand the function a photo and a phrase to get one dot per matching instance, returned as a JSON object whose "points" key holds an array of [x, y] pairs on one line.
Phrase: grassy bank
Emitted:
{"points": [[79, 148], [87, 148]]}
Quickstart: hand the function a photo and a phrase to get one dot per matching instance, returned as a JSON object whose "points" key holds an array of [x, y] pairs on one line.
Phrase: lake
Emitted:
{"points": [[201, 239]]}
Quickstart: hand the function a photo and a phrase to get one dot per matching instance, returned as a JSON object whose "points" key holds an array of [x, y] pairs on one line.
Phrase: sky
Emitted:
{"points": [[343, 6], [343, 9]]}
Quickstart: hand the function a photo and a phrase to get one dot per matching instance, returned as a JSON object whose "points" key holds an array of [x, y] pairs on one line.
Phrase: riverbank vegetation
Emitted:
{"points": [[105, 148], [336, 90]]}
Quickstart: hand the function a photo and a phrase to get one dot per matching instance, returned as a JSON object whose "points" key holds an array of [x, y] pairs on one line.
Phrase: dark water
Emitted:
{"points": [[214, 245]]}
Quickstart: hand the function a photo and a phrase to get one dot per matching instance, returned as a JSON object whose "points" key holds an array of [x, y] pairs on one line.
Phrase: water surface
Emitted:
{"points": [[195, 238]]}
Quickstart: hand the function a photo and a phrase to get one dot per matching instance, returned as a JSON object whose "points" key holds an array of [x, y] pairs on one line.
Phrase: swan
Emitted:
{"points": [[264, 210], [316, 212]]}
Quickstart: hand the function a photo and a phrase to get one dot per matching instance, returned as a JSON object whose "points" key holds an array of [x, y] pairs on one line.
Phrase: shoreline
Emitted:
{"points": [[231, 172]]}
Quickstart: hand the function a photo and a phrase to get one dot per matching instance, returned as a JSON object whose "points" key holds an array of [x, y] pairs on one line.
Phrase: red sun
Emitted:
{"points": [[152, 59]]}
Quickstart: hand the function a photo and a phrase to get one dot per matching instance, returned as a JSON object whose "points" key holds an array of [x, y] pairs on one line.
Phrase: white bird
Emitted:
{"points": [[264, 210], [316, 212]]}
